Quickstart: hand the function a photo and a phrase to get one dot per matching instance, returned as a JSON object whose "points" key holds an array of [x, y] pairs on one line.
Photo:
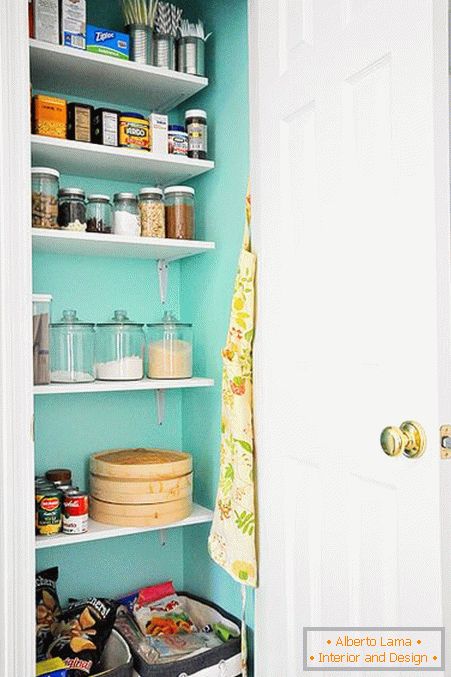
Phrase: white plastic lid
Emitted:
{"points": [[195, 113], [179, 189], [151, 191], [45, 170], [42, 298]]}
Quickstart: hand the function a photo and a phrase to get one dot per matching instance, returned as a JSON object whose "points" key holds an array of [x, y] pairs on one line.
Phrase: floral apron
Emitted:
{"points": [[232, 537]]}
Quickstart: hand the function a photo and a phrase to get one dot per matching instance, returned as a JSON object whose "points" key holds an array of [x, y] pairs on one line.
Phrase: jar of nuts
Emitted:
{"points": [[44, 199], [151, 209]]}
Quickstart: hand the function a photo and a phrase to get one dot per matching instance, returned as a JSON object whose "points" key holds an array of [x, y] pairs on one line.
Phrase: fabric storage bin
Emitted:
{"points": [[222, 661], [116, 659]]}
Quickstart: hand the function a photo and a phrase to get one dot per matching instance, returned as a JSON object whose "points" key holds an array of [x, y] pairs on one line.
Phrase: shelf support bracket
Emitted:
{"points": [[160, 395], [163, 536], [163, 274]]}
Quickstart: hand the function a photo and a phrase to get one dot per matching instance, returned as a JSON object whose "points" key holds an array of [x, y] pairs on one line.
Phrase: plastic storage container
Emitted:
{"points": [[151, 211], [126, 217], [44, 198], [116, 659], [72, 350], [180, 214], [41, 338], [72, 209], [99, 214], [170, 349], [120, 346]]}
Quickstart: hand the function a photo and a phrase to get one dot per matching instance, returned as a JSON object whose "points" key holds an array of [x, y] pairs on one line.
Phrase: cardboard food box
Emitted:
{"points": [[107, 42], [73, 23], [158, 133], [49, 116], [46, 20]]}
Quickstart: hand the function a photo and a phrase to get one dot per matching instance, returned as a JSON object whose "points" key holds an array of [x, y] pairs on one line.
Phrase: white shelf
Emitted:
{"points": [[77, 73], [98, 531], [95, 244], [122, 386], [119, 164]]}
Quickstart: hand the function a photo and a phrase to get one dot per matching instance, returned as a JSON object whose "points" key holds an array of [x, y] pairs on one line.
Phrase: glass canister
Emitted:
{"points": [[120, 345], [126, 216], [170, 349], [72, 350], [151, 211], [99, 214], [44, 197], [41, 338], [179, 208], [72, 209]]}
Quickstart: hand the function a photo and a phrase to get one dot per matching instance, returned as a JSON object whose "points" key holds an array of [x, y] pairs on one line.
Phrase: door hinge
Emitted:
{"points": [[445, 442]]}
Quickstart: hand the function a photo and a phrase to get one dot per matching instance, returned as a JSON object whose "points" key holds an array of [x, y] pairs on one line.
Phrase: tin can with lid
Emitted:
{"points": [[75, 512], [63, 475], [134, 131], [177, 140], [48, 511]]}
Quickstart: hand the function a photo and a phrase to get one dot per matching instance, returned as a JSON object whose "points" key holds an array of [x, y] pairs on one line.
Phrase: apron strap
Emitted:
{"points": [[243, 633], [247, 223]]}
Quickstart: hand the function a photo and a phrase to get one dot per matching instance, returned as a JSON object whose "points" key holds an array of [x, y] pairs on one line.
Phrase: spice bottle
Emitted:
{"points": [[72, 209], [180, 219], [72, 350], [126, 217], [99, 214], [120, 345], [170, 348], [151, 210], [196, 126], [44, 198]]}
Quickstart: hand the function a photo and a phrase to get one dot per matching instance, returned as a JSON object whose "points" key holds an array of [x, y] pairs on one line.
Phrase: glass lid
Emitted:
{"points": [[169, 321], [70, 318], [120, 319]]}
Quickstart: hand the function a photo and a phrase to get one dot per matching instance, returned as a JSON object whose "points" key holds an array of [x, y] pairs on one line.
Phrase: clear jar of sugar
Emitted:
{"points": [[126, 219], [120, 345]]}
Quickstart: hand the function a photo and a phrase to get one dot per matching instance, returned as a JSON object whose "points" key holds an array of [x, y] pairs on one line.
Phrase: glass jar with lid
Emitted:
{"points": [[72, 209], [126, 215], [44, 197], [120, 345], [72, 350], [151, 211], [170, 349], [180, 218], [99, 214]]}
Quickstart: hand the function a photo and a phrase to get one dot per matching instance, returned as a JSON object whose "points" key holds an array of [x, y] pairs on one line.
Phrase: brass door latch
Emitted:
{"points": [[445, 442]]}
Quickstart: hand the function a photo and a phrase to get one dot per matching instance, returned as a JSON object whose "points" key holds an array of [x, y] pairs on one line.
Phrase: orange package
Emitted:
{"points": [[49, 116]]}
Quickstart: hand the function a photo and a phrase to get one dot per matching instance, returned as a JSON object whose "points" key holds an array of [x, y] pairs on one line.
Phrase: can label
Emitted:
{"points": [[134, 133], [75, 513], [197, 135], [48, 512], [178, 143]]}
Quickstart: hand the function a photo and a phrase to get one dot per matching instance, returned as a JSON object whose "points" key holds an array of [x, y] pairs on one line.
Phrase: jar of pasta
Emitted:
{"points": [[44, 198], [151, 210]]}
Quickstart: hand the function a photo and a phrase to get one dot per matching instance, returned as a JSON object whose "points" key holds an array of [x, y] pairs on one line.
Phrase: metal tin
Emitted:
{"points": [[48, 511], [140, 43], [105, 127], [66, 488], [75, 512], [134, 131], [163, 51], [191, 56], [79, 121]]}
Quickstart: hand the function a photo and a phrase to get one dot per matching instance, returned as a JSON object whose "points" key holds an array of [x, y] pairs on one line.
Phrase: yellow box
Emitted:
{"points": [[49, 116]]}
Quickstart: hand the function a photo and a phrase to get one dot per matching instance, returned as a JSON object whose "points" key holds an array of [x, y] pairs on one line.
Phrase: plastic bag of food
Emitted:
{"points": [[48, 610], [174, 647], [159, 611], [126, 626], [82, 634]]}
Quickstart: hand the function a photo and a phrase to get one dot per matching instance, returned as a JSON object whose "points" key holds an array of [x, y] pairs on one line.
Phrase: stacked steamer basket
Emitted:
{"points": [[140, 487]]}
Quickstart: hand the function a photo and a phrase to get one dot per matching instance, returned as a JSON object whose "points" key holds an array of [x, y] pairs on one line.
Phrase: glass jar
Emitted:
{"points": [[99, 214], [151, 211], [179, 208], [72, 350], [41, 338], [170, 349], [126, 216], [44, 197], [120, 345], [72, 209], [196, 126]]}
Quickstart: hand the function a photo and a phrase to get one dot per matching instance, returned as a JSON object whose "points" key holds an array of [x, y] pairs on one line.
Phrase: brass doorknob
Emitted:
{"points": [[409, 439]]}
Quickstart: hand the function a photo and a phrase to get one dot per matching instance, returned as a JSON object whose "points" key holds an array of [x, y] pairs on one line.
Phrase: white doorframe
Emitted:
{"points": [[17, 556]]}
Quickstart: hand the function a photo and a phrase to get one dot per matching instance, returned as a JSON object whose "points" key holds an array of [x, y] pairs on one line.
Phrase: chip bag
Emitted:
{"points": [[48, 610]]}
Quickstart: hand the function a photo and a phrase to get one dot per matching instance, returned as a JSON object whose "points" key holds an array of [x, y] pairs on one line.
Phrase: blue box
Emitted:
{"points": [[107, 42]]}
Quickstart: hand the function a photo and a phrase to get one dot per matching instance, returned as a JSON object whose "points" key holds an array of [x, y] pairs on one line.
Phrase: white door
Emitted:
{"points": [[350, 193]]}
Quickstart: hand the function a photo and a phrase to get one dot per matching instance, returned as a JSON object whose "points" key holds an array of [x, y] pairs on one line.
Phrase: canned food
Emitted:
{"points": [[48, 511], [134, 131], [75, 512], [65, 488]]}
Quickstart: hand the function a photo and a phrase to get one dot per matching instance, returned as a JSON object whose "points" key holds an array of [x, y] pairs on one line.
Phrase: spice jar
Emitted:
{"points": [[196, 126], [179, 208], [41, 331], [72, 350], [170, 351], [99, 214], [126, 216], [44, 198], [120, 345], [151, 211], [72, 209]]}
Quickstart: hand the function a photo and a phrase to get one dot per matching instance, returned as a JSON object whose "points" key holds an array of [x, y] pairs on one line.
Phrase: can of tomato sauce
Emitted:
{"points": [[75, 512], [48, 510], [134, 131]]}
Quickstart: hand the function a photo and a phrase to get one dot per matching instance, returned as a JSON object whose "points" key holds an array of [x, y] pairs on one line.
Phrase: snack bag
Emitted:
{"points": [[82, 634], [48, 610], [126, 626], [161, 616]]}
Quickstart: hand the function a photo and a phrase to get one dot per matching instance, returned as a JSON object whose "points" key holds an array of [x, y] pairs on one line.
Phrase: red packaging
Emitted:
{"points": [[75, 512]]}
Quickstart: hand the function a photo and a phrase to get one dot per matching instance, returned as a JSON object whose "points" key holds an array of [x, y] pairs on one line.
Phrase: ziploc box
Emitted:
{"points": [[53, 667], [73, 23], [107, 42]]}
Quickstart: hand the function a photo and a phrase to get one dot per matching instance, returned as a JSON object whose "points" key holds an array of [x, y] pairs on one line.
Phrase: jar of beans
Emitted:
{"points": [[44, 199], [180, 220], [151, 210], [72, 209], [99, 214]]}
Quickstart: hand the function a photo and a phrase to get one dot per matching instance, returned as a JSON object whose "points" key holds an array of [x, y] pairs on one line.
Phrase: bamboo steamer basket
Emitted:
{"points": [[141, 464], [129, 491], [142, 515]]}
